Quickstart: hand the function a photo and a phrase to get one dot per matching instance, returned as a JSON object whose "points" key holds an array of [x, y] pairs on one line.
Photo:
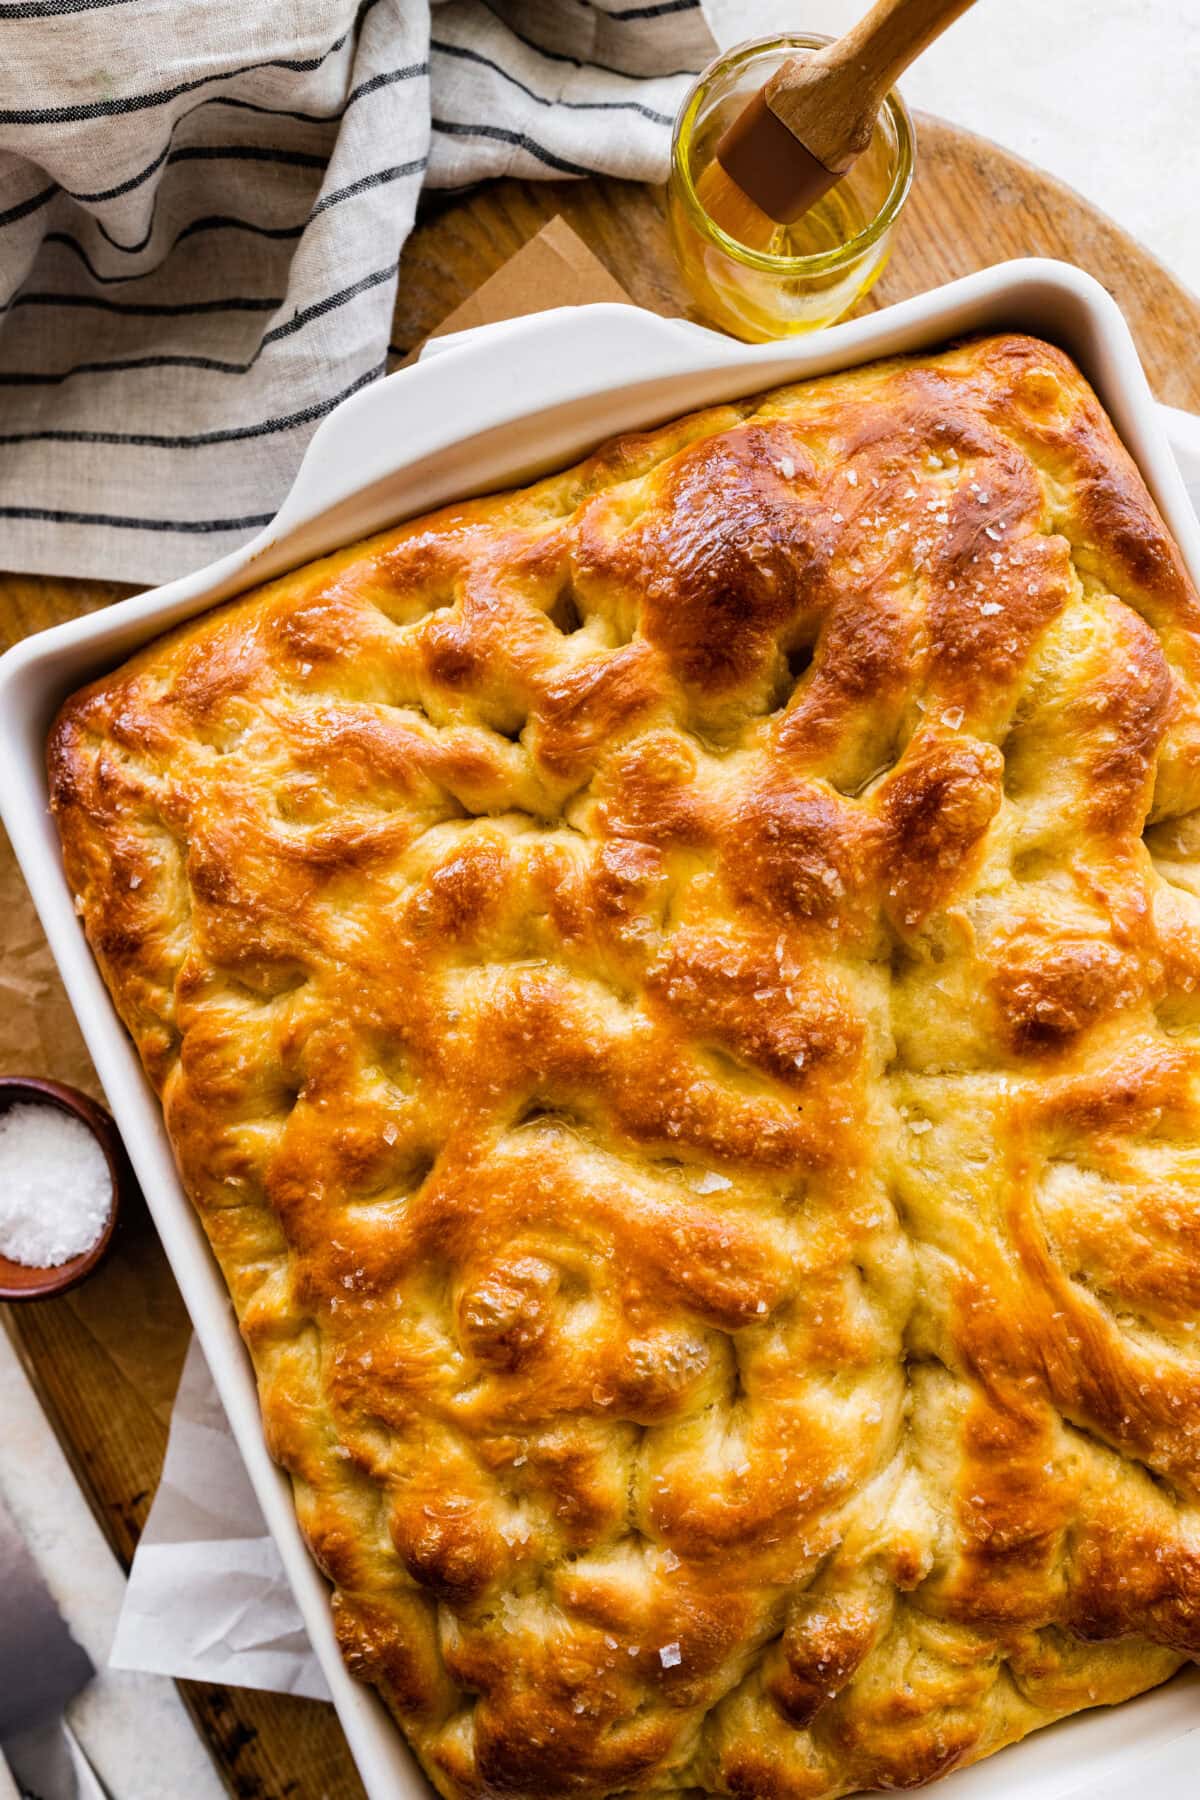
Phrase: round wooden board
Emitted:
{"points": [[89, 1353]]}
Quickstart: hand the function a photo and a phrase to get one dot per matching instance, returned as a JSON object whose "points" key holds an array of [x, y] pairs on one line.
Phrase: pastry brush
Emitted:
{"points": [[803, 130]]}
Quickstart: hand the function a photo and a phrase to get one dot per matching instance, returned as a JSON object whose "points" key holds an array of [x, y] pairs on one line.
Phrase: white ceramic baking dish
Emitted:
{"points": [[516, 401]]}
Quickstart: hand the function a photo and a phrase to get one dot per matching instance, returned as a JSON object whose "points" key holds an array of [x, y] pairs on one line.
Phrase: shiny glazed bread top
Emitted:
{"points": [[674, 994]]}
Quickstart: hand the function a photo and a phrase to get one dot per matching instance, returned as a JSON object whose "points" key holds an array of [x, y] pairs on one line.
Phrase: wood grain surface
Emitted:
{"points": [[106, 1358]]}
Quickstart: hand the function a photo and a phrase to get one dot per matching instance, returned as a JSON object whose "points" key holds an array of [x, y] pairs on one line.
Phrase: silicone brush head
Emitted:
{"points": [[761, 177]]}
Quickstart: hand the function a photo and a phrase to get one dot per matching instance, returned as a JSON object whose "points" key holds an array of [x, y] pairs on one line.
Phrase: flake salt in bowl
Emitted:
{"points": [[61, 1167]]}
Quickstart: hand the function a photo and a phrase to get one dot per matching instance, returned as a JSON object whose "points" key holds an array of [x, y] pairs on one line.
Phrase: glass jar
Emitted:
{"points": [[814, 270]]}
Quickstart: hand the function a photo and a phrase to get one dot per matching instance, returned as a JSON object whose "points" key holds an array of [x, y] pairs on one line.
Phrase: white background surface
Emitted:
{"points": [[1103, 93]]}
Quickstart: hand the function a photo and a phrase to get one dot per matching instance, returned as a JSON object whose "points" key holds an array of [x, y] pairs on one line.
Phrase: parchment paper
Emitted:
{"points": [[207, 1597], [38, 1033]]}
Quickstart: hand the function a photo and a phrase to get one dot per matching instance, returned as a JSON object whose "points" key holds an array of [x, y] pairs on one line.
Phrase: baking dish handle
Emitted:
{"points": [[559, 381], [494, 332]]}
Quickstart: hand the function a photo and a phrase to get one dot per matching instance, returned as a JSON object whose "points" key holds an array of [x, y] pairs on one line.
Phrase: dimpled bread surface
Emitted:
{"points": [[674, 994]]}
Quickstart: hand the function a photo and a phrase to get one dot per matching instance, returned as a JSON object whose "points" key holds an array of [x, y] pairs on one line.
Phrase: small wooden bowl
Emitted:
{"points": [[17, 1281]]}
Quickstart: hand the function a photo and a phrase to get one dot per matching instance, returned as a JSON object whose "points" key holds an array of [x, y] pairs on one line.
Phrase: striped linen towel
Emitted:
{"points": [[202, 209]]}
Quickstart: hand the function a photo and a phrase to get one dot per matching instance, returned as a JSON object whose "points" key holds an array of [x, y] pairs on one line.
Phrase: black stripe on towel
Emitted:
{"points": [[199, 440], [49, 9], [657, 11], [380, 178], [23, 208], [302, 159], [388, 77], [560, 56], [474, 56], [215, 365], [218, 223], [453, 128], [52, 515], [131, 103], [370, 86], [184, 309]]}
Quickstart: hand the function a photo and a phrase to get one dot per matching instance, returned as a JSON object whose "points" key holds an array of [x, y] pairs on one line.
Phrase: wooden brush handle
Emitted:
{"points": [[830, 100]]}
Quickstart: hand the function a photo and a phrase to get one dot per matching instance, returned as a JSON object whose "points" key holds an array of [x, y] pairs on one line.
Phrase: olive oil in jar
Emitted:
{"points": [[811, 271]]}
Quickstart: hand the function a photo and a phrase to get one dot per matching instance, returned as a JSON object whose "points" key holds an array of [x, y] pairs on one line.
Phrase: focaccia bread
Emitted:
{"points": [[674, 994]]}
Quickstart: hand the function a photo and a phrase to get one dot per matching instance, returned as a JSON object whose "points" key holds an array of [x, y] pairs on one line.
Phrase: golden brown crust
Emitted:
{"points": [[689, 1063]]}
